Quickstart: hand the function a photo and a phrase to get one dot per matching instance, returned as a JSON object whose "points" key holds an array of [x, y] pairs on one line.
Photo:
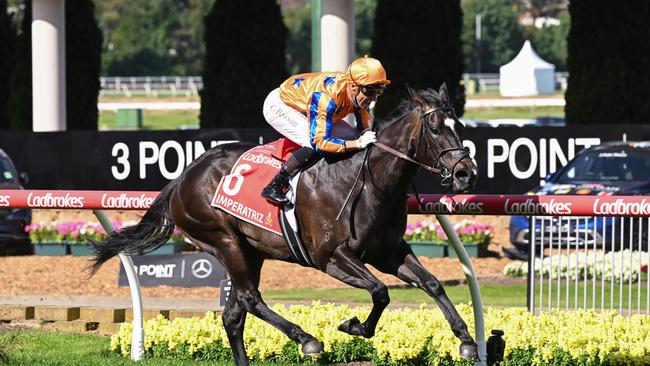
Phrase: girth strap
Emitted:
{"points": [[294, 243]]}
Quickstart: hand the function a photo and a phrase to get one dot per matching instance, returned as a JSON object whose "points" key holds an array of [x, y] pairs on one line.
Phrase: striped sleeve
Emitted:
{"points": [[363, 119], [321, 118]]}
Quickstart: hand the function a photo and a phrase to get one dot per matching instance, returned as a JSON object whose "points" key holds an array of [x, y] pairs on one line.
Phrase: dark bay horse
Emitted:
{"points": [[370, 233]]}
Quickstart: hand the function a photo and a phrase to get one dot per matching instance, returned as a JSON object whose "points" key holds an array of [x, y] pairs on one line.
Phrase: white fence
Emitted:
{"points": [[598, 263], [151, 85], [190, 85]]}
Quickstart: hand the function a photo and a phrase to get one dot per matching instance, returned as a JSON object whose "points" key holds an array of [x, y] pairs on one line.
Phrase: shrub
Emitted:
{"points": [[409, 337]]}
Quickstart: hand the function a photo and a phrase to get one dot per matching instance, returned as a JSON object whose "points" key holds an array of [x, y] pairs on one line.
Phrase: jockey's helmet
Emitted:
{"points": [[366, 71]]}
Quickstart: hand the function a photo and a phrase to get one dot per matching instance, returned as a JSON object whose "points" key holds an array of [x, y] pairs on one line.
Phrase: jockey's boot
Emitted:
{"points": [[299, 160], [274, 191]]}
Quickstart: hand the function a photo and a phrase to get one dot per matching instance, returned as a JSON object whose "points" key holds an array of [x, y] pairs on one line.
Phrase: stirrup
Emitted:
{"points": [[272, 194]]}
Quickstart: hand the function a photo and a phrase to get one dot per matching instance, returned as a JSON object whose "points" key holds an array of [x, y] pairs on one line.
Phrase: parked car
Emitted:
{"points": [[13, 238], [614, 168]]}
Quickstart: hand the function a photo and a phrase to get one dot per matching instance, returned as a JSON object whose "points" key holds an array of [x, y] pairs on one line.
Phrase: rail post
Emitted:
{"points": [[137, 338], [475, 293]]}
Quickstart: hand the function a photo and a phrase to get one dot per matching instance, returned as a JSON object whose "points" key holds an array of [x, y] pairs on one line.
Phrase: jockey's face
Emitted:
{"points": [[365, 96]]}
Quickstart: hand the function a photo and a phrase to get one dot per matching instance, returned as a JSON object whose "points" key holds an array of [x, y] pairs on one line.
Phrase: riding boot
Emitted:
{"points": [[274, 191], [298, 160]]}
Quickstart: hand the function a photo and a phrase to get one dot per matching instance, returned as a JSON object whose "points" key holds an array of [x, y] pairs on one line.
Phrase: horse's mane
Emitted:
{"points": [[407, 105]]}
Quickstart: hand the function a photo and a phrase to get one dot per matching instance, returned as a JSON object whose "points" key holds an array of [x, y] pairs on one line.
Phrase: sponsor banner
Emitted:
{"points": [[91, 200], [179, 270], [568, 205], [511, 160]]}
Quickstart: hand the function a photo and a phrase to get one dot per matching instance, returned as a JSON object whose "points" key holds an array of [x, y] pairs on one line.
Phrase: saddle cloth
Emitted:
{"points": [[238, 193]]}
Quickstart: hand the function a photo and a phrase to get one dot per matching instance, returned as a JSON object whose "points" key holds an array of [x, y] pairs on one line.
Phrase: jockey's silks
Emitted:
{"points": [[323, 98]]}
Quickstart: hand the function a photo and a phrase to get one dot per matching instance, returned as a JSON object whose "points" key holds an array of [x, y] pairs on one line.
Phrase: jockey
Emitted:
{"points": [[324, 112]]}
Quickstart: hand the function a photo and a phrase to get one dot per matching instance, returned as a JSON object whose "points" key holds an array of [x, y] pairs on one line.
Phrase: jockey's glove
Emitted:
{"points": [[366, 138]]}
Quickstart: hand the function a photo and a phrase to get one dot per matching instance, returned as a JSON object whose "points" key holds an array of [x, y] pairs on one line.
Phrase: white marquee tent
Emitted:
{"points": [[526, 75]]}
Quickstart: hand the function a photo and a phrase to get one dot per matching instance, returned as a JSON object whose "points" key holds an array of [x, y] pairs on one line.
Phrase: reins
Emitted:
{"points": [[447, 179]]}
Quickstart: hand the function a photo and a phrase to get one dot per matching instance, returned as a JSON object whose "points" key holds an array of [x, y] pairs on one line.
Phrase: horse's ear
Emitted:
{"points": [[444, 92], [414, 95]]}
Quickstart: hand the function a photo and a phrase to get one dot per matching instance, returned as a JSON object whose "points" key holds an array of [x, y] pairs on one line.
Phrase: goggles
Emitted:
{"points": [[373, 90]]}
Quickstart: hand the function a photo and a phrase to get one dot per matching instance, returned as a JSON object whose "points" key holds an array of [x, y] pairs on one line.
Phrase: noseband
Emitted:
{"points": [[427, 135]]}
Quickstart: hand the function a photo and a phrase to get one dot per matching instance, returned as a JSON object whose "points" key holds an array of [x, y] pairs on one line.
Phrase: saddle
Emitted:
{"points": [[238, 194]]}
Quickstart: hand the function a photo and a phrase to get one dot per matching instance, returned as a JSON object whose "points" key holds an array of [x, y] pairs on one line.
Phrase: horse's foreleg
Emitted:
{"points": [[234, 318], [346, 267], [412, 271]]}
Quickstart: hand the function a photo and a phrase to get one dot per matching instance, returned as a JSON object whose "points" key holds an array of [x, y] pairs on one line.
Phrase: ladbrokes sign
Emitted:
{"points": [[531, 205]]}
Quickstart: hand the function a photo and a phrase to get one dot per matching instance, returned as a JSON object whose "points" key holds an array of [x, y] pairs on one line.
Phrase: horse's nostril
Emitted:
{"points": [[462, 175]]}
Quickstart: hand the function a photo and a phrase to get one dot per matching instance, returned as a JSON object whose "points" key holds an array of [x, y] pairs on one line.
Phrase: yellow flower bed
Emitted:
{"points": [[406, 335]]}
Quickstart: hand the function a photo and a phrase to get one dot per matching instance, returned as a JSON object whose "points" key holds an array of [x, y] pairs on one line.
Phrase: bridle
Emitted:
{"points": [[427, 135]]}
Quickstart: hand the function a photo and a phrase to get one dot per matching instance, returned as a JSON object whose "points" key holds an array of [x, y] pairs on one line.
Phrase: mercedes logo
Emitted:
{"points": [[201, 268]]}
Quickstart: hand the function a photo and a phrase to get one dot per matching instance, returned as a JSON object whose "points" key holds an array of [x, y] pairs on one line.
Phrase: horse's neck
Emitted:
{"points": [[392, 174]]}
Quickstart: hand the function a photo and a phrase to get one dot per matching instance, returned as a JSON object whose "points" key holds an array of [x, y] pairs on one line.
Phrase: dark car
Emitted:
{"points": [[614, 168], [13, 238]]}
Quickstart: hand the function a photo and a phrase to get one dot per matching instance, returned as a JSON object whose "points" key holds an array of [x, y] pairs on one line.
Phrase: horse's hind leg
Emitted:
{"points": [[346, 267], [406, 267], [244, 266]]}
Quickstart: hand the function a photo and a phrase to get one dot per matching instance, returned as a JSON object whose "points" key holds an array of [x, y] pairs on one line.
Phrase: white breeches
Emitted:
{"points": [[294, 125]]}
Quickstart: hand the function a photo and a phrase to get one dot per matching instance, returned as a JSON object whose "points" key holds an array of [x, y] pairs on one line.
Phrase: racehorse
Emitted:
{"points": [[372, 232]]}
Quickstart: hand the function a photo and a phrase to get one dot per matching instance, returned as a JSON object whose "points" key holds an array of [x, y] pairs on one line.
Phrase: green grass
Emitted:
{"points": [[155, 120], [492, 295], [54, 348], [514, 112]]}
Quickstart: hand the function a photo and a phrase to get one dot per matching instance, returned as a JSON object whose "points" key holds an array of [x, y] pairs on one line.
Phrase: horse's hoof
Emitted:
{"points": [[469, 351], [354, 327], [351, 326], [312, 348]]}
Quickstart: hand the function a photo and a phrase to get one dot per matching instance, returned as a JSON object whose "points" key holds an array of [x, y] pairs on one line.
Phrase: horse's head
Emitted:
{"points": [[436, 143]]}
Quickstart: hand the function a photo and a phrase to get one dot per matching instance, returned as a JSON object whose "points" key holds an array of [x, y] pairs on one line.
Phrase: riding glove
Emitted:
{"points": [[367, 138]]}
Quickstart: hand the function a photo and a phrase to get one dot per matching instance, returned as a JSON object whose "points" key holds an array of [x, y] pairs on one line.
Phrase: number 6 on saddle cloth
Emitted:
{"points": [[238, 194]]}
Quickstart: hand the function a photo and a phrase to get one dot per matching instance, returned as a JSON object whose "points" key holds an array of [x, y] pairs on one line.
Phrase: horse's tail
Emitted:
{"points": [[153, 230]]}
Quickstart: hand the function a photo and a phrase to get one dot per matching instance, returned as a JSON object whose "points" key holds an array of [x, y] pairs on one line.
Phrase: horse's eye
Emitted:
{"points": [[435, 131]]}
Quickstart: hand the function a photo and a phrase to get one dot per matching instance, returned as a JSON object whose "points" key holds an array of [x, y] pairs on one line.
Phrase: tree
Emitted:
{"points": [[19, 104], [83, 49], [419, 43], [550, 42], [7, 44], [608, 62], [245, 60], [83, 62], [501, 34], [152, 37], [298, 22], [543, 8]]}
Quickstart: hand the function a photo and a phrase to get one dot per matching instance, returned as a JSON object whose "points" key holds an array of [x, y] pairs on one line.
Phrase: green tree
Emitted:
{"points": [[501, 34], [83, 62], [550, 42], [416, 52], [19, 105], [364, 11], [7, 44], [152, 37], [245, 59], [608, 62], [298, 22]]}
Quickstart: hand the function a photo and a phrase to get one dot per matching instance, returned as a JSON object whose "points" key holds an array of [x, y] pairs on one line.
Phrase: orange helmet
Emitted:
{"points": [[367, 71]]}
